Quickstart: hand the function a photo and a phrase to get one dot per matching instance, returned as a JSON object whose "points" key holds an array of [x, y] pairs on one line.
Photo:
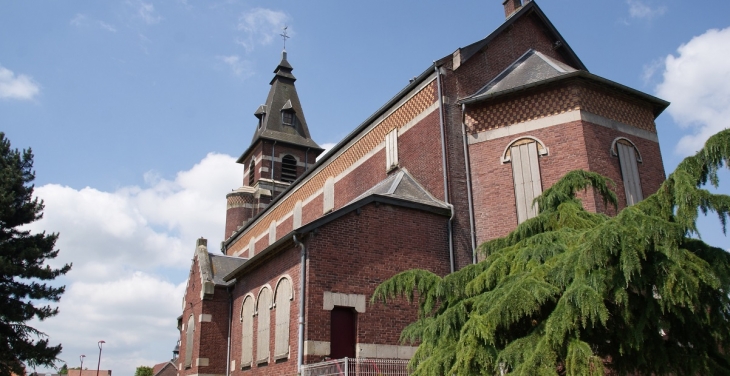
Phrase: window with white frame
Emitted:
{"points": [[282, 305], [629, 158], [391, 149], [523, 154], [263, 317], [247, 310]]}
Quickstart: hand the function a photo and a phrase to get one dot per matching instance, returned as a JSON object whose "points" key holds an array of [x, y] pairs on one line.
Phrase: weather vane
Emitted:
{"points": [[285, 36]]}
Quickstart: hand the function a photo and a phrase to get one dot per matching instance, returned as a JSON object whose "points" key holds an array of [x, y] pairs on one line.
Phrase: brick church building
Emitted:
{"points": [[453, 160]]}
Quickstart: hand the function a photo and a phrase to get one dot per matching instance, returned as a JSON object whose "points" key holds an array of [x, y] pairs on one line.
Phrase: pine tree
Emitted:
{"points": [[576, 293], [143, 371], [23, 267]]}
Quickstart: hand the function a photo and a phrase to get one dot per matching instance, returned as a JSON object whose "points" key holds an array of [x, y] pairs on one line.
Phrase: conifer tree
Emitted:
{"points": [[571, 292], [23, 267]]}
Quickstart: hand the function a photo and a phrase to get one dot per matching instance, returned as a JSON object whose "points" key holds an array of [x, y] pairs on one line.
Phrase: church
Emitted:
{"points": [[452, 160]]}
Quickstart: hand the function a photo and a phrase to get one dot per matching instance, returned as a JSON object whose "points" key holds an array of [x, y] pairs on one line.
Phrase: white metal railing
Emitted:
{"points": [[357, 367]]}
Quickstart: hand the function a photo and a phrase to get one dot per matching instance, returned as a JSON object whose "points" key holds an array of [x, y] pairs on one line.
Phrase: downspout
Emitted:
{"points": [[443, 161], [467, 164], [230, 317], [302, 283]]}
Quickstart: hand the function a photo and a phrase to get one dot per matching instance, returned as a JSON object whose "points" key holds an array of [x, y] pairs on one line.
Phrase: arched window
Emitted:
{"points": [[282, 299], [251, 168], [523, 154], [189, 330], [263, 320], [247, 310], [628, 156], [288, 169]]}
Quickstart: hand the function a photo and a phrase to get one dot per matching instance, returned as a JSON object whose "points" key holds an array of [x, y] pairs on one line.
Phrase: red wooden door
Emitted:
{"points": [[343, 333]]}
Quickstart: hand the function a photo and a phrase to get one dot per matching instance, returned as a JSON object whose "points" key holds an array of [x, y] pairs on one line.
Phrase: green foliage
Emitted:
{"points": [[23, 267], [143, 371], [576, 293], [63, 370]]}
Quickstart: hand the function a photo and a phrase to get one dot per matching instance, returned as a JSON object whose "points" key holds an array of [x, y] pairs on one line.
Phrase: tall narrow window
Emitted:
{"points": [[328, 192], [272, 232], [251, 168], [628, 155], [343, 332], [391, 149], [263, 320], [297, 215], [523, 154], [189, 331], [247, 331], [281, 333], [288, 169]]}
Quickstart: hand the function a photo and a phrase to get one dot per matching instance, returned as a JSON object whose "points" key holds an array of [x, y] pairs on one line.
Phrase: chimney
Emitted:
{"points": [[511, 6]]}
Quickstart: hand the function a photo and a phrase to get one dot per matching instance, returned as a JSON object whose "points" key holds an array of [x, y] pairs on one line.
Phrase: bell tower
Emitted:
{"points": [[279, 153]]}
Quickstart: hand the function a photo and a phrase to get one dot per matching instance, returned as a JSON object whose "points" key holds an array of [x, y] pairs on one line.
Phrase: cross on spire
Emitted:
{"points": [[285, 36]]}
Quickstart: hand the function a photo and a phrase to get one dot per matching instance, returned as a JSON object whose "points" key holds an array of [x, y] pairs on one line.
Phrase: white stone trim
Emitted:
{"points": [[202, 362], [374, 350], [551, 121], [332, 299], [204, 317], [321, 348]]}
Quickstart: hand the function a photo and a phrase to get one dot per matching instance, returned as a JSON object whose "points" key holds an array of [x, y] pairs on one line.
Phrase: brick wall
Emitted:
{"points": [[357, 252]]}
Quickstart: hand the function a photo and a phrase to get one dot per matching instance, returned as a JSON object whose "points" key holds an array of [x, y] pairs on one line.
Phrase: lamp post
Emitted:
{"points": [[81, 369], [99, 363]]}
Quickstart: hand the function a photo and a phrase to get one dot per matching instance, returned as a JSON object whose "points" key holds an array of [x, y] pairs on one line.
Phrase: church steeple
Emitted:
{"points": [[281, 118], [280, 152]]}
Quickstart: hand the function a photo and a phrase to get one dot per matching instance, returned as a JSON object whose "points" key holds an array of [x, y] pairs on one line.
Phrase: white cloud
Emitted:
{"points": [[131, 251], [697, 82], [19, 86], [82, 20], [145, 11], [241, 68], [640, 9], [261, 26], [326, 146]]}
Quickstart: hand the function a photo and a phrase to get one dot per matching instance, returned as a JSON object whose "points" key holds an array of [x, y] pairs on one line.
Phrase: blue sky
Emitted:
{"points": [[136, 111]]}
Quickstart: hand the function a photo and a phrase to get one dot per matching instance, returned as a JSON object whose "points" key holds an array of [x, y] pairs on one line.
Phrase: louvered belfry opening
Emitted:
{"points": [[288, 169]]}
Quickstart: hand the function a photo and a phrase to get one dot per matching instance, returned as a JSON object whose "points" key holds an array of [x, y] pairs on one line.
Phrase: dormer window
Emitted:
{"points": [[287, 117], [260, 113]]}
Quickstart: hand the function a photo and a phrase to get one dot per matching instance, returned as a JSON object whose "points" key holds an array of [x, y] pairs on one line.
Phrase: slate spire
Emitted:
{"points": [[282, 119]]}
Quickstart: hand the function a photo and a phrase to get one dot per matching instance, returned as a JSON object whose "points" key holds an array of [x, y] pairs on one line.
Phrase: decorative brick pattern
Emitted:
{"points": [[557, 100], [401, 116]]}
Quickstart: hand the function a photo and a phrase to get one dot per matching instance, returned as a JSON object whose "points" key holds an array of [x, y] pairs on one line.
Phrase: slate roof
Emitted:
{"points": [[282, 96], [530, 68], [222, 265], [401, 185]]}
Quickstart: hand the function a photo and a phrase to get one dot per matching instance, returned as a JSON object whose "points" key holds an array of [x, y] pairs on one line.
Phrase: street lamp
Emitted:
{"points": [[81, 358], [99, 363]]}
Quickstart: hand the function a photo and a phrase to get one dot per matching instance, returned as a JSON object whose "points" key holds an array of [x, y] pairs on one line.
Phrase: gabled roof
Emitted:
{"points": [[282, 97], [528, 9], [530, 68], [214, 267], [518, 82], [403, 186]]}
